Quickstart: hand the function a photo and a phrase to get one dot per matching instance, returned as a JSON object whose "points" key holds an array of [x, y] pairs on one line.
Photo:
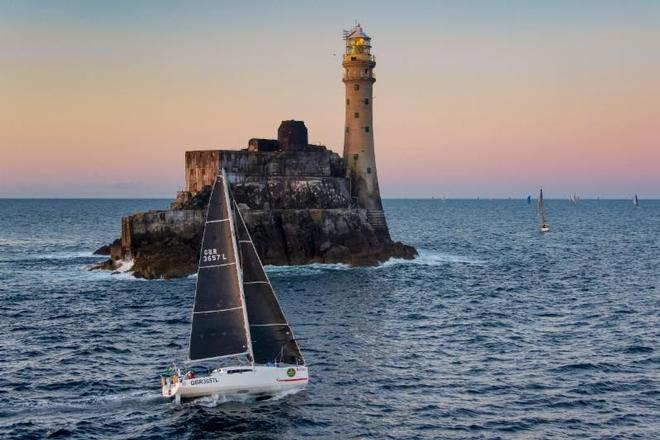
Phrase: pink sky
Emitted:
{"points": [[491, 102]]}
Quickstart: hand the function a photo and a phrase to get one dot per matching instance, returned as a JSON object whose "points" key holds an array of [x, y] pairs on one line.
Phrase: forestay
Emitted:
{"points": [[219, 317], [272, 338]]}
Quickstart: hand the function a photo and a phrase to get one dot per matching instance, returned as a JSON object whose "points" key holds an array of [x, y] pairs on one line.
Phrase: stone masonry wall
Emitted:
{"points": [[243, 165]]}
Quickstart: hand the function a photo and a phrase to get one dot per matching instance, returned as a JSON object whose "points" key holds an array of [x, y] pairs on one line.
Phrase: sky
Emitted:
{"points": [[472, 99]]}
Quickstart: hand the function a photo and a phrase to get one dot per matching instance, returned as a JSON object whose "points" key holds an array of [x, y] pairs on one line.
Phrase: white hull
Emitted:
{"points": [[240, 381], [545, 228]]}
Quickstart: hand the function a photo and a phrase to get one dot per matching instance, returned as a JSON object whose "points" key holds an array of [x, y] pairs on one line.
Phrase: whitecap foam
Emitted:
{"points": [[122, 272], [37, 256], [105, 275], [425, 258], [431, 258], [124, 266], [307, 269]]}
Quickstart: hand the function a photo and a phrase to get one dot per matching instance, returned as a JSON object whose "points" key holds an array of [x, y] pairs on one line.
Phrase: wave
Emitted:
{"points": [[122, 272], [425, 258], [124, 266], [309, 269], [432, 258], [36, 256]]}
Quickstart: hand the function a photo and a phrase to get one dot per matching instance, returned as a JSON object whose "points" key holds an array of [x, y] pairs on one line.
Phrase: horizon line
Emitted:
{"points": [[441, 198]]}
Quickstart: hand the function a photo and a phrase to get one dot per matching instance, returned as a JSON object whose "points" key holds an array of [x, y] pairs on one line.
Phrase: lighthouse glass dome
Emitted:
{"points": [[358, 45]]}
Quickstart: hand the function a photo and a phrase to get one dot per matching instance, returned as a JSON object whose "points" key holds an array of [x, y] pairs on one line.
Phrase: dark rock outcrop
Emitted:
{"points": [[297, 206]]}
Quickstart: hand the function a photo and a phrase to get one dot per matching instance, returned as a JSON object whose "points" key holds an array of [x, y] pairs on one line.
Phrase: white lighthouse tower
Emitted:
{"points": [[359, 154]]}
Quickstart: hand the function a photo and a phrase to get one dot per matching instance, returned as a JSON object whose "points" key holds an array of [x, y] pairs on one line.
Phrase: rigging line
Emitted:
{"points": [[267, 325], [218, 221], [256, 282]]}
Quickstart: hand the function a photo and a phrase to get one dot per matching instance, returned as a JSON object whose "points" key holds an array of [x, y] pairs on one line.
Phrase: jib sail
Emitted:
{"points": [[272, 338]]}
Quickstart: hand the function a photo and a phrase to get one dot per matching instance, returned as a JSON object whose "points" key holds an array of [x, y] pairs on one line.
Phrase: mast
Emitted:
{"points": [[238, 267]]}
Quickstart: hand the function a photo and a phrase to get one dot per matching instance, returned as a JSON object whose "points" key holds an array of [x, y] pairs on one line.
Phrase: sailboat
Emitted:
{"points": [[544, 227], [238, 330], [636, 200]]}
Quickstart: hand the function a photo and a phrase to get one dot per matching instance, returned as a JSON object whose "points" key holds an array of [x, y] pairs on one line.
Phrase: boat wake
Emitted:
{"points": [[215, 400], [81, 404]]}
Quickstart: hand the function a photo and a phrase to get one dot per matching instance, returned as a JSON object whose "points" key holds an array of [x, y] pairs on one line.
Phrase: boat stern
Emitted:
{"points": [[170, 386]]}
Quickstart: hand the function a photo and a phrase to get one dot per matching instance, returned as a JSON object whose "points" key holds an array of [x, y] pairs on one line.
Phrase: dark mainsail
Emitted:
{"points": [[272, 338], [219, 317]]}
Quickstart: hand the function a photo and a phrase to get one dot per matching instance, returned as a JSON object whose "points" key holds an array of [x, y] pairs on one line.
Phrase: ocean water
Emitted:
{"points": [[495, 331]]}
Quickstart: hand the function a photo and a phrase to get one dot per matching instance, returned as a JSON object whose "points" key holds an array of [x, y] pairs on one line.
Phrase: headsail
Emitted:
{"points": [[219, 325], [272, 338]]}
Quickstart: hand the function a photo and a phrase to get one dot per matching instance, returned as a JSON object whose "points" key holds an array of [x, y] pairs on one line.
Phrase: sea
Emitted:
{"points": [[495, 332]]}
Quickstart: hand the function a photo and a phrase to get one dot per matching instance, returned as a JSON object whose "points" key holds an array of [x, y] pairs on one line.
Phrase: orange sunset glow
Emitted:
{"points": [[102, 100]]}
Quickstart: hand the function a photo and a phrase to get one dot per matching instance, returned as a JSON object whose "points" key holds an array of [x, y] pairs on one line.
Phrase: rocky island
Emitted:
{"points": [[302, 203], [295, 198]]}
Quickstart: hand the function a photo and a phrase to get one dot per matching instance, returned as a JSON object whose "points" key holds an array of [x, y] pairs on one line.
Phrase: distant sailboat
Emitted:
{"points": [[236, 317], [544, 227], [529, 199], [574, 198], [636, 200]]}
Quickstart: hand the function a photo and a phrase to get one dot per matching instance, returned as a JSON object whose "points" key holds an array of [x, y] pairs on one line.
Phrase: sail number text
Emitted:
{"points": [[212, 255]]}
